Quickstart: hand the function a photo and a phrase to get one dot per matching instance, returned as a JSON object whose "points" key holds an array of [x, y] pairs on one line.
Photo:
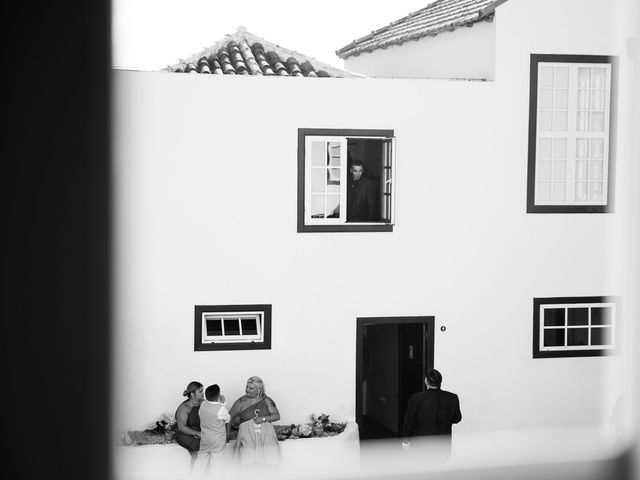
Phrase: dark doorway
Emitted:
{"points": [[392, 356]]}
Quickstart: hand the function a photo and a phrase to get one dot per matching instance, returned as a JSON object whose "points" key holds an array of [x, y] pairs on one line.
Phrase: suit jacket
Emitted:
{"points": [[361, 200], [431, 412]]}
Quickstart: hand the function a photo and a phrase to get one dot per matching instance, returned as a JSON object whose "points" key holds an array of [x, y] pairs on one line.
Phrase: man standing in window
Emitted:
{"points": [[361, 200], [429, 417]]}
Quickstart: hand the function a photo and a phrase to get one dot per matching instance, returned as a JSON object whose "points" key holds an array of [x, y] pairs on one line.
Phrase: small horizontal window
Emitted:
{"points": [[232, 327], [575, 326]]}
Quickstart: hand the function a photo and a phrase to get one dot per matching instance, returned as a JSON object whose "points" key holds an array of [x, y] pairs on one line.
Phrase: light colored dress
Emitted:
{"points": [[256, 444]]}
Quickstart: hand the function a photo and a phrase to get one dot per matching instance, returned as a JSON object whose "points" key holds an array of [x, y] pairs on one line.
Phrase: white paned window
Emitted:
{"points": [[569, 160], [232, 327], [326, 177], [346, 180], [573, 133], [577, 326]]}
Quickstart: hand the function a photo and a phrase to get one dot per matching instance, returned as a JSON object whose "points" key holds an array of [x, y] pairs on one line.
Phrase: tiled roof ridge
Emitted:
{"points": [[235, 54], [429, 26]]}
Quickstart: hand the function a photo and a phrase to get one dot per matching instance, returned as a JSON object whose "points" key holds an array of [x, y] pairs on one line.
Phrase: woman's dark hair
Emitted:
{"points": [[192, 387]]}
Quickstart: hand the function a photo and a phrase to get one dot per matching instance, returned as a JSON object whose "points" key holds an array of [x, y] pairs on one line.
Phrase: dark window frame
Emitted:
{"points": [[265, 344], [535, 59], [537, 302], [351, 227]]}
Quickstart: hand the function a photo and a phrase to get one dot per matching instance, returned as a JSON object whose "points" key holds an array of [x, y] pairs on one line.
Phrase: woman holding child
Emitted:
{"points": [[252, 415]]}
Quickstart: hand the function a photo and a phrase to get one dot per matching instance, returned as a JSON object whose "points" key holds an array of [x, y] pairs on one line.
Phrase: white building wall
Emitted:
{"points": [[206, 192], [205, 213], [467, 52]]}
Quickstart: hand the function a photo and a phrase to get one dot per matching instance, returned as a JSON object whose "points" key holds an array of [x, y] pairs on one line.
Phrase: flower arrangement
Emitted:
{"points": [[166, 423], [162, 430], [320, 426], [320, 421]]}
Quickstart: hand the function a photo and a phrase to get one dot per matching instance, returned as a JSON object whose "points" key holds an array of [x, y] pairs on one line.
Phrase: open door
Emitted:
{"points": [[392, 356]]}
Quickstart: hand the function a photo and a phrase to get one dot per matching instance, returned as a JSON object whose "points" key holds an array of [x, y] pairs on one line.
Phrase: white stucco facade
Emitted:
{"points": [[205, 214]]}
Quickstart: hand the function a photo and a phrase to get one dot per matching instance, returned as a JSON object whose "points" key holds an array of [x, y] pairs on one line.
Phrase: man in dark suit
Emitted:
{"points": [[361, 201], [429, 417]]}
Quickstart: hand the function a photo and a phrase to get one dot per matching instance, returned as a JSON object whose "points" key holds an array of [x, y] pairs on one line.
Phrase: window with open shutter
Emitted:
{"points": [[345, 180]]}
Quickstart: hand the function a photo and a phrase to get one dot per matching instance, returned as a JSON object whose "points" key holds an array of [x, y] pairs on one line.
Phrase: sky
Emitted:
{"points": [[151, 34]]}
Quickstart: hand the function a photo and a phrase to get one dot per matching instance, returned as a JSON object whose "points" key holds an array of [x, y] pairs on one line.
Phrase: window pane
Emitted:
{"points": [[599, 77], [581, 191], [544, 148], [560, 121], [583, 100], [560, 148], [545, 99], [597, 148], [583, 121], [577, 336], [559, 170], [558, 191], [578, 316], [334, 154], [562, 77], [333, 176], [546, 76], [333, 188], [582, 172], [595, 191], [543, 192], [601, 336], [582, 148], [596, 170], [597, 121], [561, 99], [545, 121], [317, 206], [231, 326], [544, 169], [554, 317], [214, 327], [249, 326], [333, 206], [597, 100], [553, 337], [318, 153], [584, 77], [601, 316], [317, 180]]}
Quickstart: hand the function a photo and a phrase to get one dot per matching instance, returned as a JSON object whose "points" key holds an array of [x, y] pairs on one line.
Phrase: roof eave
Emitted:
{"points": [[344, 53], [489, 9]]}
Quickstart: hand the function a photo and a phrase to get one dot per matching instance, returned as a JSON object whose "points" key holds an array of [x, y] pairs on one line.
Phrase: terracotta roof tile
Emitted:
{"points": [[278, 66], [258, 52], [214, 64], [243, 53], [438, 16], [203, 65], [225, 62], [293, 67]]}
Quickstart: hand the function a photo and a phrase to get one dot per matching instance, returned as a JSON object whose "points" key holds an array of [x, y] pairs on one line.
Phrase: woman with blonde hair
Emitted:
{"points": [[251, 415]]}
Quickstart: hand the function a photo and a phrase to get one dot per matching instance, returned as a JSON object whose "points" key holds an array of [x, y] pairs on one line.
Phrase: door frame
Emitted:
{"points": [[362, 322]]}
